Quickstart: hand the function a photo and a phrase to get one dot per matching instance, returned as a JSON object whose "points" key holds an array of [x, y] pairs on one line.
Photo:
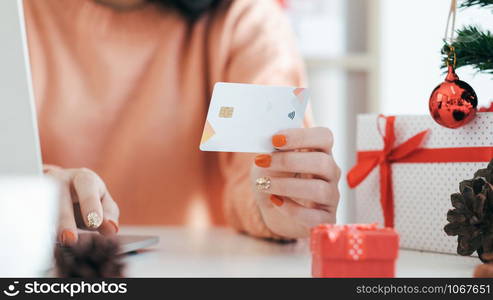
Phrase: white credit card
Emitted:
{"points": [[244, 117]]}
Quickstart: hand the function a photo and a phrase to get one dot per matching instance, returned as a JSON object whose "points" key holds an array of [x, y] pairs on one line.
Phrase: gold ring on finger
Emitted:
{"points": [[263, 183]]}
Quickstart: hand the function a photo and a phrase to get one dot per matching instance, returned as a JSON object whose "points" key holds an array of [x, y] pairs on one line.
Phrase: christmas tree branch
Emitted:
{"points": [[473, 48], [481, 3]]}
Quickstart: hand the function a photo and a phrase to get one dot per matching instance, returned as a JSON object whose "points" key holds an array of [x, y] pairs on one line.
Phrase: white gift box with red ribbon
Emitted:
{"points": [[422, 180]]}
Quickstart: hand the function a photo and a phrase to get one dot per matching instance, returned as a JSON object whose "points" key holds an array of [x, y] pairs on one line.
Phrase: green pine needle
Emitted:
{"points": [[473, 47], [481, 3]]}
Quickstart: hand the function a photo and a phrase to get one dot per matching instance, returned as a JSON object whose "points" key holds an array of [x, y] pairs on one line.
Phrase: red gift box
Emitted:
{"points": [[353, 251]]}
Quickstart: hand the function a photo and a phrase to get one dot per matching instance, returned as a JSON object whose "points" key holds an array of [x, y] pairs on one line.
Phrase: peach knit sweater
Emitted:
{"points": [[125, 93]]}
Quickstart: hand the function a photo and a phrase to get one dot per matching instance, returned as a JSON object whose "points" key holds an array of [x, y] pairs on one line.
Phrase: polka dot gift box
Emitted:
{"points": [[353, 251], [407, 168]]}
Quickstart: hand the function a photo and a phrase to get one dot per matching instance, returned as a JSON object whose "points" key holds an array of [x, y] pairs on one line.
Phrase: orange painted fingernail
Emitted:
{"points": [[108, 227], [263, 160], [279, 140], [67, 238], [115, 226], [277, 201]]}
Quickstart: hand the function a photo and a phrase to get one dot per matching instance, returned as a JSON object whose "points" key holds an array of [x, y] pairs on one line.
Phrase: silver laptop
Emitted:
{"points": [[20, 152]]}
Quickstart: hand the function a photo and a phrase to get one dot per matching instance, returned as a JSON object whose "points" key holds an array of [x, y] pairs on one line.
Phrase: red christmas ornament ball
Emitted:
{"points": [[453, 103]]}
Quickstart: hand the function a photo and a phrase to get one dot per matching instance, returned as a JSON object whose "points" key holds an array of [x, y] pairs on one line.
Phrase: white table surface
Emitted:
{"points": [[221, 252]]}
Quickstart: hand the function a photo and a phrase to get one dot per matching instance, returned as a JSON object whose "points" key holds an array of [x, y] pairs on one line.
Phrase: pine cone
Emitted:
{"points": [[487, 173], [472, 217], [94, 256]]}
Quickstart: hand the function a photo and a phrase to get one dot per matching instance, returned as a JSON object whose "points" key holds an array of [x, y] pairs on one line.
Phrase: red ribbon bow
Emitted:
{"points": [[368, 160], [407, 152]]}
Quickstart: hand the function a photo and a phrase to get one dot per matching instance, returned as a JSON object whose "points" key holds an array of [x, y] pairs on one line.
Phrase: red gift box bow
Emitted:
{"points": [[408, 152], [355, 240]]}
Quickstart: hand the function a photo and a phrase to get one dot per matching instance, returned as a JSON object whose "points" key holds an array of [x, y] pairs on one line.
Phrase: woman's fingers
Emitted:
{"points": [[67, 228], [319, 164], [292, 204], [98, 209], [316, 190], [85, 203], [89, 189], [318, 138]]}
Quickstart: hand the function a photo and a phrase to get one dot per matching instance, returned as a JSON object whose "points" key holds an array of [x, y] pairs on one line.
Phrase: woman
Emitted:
{"points": [[122, 90]]}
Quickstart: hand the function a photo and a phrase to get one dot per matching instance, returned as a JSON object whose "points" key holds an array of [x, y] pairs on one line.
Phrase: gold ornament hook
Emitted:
{"points": [[449, 56]]}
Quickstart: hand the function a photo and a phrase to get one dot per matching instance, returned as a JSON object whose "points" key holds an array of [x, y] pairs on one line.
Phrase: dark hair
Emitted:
{"points": [[190, 9]]}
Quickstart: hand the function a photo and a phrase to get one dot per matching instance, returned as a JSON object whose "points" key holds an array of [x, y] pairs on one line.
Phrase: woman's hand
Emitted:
{"points": [[297, 185], [85, 203]]}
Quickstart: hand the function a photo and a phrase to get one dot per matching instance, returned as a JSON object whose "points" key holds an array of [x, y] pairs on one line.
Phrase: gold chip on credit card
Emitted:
{"points": [[226, 112]]}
